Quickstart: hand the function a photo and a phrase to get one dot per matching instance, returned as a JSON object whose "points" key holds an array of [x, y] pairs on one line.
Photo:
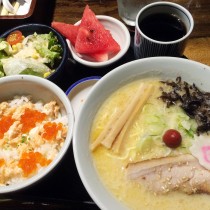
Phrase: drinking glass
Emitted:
{"points": [[128, 9]]}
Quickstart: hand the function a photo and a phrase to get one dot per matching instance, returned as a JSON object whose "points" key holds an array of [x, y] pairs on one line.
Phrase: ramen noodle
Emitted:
{"points": [[133, 161]]}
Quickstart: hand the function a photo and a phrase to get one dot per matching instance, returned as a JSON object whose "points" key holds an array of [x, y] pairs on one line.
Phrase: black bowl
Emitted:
{"points": [[31, 28]]}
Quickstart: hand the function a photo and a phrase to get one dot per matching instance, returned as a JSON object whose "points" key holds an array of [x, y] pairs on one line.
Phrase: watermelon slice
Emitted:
{"points": [[99, 57], [92, 37], [67, 30]]}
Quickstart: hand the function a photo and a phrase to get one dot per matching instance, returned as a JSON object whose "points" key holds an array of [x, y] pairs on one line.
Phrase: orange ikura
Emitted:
{"points": [[2, 162], [5, 123], [31, 136], [29, 160], [30, 118], [51, 129]]}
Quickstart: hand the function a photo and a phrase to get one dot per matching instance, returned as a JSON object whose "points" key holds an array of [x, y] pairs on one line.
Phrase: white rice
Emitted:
{"points": [[11, 149]]}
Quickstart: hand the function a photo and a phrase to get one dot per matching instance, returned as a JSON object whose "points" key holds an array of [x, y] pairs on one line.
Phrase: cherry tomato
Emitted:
{"points": [[14, 37], [172, 138]]}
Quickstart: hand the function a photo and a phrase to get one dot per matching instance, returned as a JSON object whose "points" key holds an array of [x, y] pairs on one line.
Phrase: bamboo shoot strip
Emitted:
{"points": [[145, 94], [106, 130], [118, 125]]}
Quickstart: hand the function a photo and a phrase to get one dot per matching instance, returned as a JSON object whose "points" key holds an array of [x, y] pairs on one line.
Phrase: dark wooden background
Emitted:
{"points": [[70, 11], [198, 46]]}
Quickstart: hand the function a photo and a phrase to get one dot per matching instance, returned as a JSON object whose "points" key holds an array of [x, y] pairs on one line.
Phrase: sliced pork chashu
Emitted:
{"points": [[182, 173]]}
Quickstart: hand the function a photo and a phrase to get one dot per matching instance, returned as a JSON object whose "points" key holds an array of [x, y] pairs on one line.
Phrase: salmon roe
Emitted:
{"points": [[30, 118], [2, 162], [29, 161], [51, 129], [5, 123]]}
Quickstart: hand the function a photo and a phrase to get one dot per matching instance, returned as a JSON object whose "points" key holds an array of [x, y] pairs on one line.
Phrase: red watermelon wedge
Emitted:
{"points": [[67, 30], [92, 37], [99, 57]]}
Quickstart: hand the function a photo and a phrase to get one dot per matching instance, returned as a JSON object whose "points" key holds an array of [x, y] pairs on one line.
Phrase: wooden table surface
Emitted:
{"points": [[198, 46]]}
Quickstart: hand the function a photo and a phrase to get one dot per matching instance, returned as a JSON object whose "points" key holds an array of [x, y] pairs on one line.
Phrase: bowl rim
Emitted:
{"points": [[172, 5], [78, 92], [78, 147], [60, 37], [83, 80], [113, 59], [69, 113]]}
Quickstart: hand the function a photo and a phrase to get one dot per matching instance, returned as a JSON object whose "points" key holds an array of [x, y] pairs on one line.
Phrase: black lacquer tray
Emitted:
{"points": [[62, 189]]}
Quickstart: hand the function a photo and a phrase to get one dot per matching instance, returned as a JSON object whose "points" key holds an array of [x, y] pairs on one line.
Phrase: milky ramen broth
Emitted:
{"points": [[112, 168]]}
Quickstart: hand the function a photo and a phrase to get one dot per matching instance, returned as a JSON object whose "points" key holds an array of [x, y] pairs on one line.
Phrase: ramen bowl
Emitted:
{"points": [[157, 67], [40, 92]]}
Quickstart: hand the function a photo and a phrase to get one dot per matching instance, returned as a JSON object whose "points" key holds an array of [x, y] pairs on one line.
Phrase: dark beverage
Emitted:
{"points": [[162, 27]]}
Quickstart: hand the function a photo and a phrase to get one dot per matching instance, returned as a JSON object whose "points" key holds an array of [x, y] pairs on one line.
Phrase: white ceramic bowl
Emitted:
{"points": [[78, 92], [39, 89], [162, 67], [119, 32]]}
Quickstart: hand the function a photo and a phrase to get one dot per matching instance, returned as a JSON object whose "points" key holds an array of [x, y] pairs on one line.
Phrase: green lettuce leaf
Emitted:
{"points": [[48, 47], [14, 66], [5, 49]]}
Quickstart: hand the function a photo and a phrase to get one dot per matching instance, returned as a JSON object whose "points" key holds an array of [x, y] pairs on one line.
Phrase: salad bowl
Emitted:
{"points": [[158, 67], [55, 63]]}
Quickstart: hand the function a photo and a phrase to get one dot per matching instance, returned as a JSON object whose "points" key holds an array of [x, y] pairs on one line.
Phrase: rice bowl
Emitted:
{"points": [[43, 107]]}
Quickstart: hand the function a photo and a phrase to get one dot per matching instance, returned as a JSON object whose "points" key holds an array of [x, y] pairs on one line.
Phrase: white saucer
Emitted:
{"points": [[77, 92]]}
